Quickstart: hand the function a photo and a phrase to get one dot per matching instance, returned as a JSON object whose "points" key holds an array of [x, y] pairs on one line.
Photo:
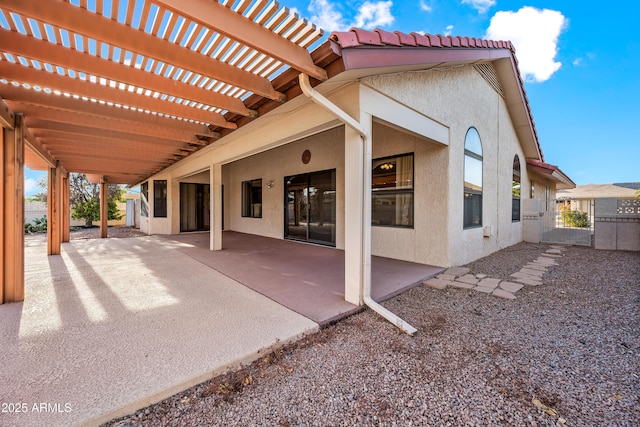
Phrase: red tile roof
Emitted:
{"points": [[378, 38], [359, 37]]}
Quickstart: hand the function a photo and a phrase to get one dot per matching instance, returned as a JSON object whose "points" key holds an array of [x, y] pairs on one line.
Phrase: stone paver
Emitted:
{"points": [[530, 274], [511, 287], [469, 278], [550, 255], [489, 283], [457, 271], [436, 283], [460, 285], [501, 293], [536, 266], [528, 281]]}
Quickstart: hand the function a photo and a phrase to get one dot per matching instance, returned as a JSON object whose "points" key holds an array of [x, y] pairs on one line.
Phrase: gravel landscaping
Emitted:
{"points": [[563, 353]]}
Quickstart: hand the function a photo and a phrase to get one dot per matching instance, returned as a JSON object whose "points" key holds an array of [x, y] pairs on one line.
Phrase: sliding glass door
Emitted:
{"points": [[310, 207], [194, 207]]}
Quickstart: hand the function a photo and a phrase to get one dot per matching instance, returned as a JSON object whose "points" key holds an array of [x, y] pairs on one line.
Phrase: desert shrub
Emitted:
{"points": [[39, 225], [575, 219]]}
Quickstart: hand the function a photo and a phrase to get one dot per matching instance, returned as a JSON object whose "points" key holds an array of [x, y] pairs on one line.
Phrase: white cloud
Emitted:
{"points": [[325, 16], [372, 15], [480, 5], [534, 33], [30, 186], [328, 16], [425, 6], [448, 30]]}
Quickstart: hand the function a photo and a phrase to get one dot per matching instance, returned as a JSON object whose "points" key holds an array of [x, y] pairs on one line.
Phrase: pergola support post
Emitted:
{"points": [[104, 208], [54, 214], [12, 212], [66, 208]]}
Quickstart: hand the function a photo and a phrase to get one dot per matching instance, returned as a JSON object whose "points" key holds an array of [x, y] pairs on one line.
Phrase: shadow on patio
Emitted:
{"points": [[308, 279]]}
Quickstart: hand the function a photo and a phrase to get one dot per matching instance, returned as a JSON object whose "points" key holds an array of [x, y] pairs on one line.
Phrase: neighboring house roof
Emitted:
{"points": [[379, 52], [595, 191], [551, 172]]}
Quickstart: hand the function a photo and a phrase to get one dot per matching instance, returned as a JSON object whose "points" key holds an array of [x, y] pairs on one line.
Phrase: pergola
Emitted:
{"points": [[121, 89]]}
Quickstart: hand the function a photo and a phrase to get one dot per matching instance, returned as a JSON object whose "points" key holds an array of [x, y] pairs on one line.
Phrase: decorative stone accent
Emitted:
{"points": [[469, 278], [529, 282], [511, 287], [460, 285], [457, 271], [530, 274], [501, 293], [536, 267], [436, 283], [489, 283], [550, 255]]}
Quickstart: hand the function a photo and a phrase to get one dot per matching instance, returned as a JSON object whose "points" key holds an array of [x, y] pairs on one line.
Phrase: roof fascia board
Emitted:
{"points": [[378, 57]]}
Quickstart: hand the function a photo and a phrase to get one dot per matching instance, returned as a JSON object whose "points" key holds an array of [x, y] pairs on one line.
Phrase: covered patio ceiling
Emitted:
{"points": [[121, 89]]}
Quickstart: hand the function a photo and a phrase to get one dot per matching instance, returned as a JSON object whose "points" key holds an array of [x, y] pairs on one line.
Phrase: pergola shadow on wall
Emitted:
{"points": [[122, 89]]}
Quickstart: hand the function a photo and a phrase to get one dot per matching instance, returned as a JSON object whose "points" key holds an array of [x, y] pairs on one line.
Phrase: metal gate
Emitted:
{"points": [[568, 221]]}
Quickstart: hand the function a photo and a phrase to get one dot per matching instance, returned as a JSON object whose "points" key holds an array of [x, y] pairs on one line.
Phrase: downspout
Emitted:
{"points": [[319, 99]]}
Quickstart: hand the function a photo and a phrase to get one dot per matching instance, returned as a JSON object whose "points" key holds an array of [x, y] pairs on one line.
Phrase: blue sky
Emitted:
{"points": [[580, 61]]}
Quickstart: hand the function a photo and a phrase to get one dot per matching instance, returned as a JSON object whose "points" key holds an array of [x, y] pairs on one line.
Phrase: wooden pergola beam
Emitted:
{"points": [[54, 81], [235, 26], [50, 115], [44, 51], [97, 27], [84, 134], [69, 104], [36, 124]]}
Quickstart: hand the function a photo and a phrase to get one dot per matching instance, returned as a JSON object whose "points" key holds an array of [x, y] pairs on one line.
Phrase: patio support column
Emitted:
{"points": [[12, 212], [104, 207], [54, 214], [215, 234], [357, 239], [66, 209]]}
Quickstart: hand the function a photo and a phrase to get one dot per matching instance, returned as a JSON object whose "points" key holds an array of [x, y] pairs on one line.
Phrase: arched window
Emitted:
{"points": [[472, 179], [515, 190]]}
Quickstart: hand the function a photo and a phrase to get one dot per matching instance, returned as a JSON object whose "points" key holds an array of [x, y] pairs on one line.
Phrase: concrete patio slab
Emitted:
{"points": [[308, 279], [113, 325]]}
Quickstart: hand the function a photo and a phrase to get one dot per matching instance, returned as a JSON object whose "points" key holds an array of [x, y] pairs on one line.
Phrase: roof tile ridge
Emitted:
{"points": [[388, 38], [366, 37]]}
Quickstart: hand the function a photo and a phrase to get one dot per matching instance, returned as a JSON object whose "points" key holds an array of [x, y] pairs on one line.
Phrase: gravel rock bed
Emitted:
{"points": [[564, 353]]}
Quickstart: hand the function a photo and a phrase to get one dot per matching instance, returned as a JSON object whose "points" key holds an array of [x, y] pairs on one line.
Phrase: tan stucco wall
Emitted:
{"points": [[461, 98], [448, 101], [426, 242], [327, 152]]}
